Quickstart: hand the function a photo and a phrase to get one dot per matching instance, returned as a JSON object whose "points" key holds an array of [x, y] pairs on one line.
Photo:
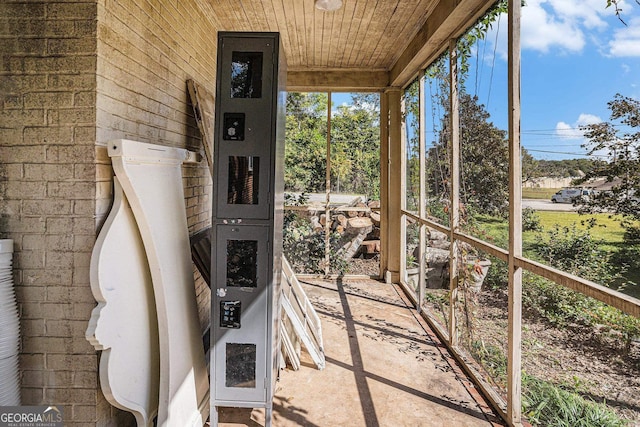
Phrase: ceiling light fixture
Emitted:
{"points": [[328, 5]]}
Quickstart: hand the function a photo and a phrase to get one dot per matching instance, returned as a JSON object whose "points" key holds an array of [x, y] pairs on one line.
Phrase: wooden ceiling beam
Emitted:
{"points": [[448, 19], [337, 80]]}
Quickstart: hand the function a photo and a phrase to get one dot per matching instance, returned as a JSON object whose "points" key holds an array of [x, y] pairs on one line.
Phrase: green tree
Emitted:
{"points": [[355, 147], [530, 166], [484, 158], [412, 131], [566, 168], [306, 142], [355, 144], [620, 140]]}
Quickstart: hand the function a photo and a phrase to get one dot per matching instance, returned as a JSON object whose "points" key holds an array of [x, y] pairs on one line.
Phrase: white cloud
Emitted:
{"points": [[587, 13], [568, 131], [542, 29], [626, 40], [588, 119], [571, 134], [566, 25]]}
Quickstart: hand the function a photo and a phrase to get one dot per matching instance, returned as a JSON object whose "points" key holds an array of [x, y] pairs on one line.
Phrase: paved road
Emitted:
{"points": [[547, 205]]}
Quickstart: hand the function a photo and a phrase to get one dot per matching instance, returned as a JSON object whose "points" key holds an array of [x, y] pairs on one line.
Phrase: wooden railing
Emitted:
{"points": [[623, 302]]}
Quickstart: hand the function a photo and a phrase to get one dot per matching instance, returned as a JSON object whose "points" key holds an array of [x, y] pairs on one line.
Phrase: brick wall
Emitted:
{"points": [[74, 75], [47, 129]]}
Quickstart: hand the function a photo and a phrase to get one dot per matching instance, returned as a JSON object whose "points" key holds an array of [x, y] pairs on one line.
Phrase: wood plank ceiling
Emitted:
{"points": [[363, 39]]}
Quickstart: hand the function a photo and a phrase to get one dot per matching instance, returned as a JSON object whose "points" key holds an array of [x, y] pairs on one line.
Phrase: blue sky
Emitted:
{"points": [[576, 55]]}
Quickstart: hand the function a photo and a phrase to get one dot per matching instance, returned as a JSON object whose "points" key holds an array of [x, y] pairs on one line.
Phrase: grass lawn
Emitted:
{"points": [[606, 228]]}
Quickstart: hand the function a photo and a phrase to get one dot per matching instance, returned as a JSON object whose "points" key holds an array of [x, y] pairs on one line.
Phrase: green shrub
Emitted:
{"points": [[437, 298], [577, 252], [629, 254], [304, 247], [531, 220], [496, 276], [632, 234], [492, 358], [562, 306], [545, 404], [615, 320], [556, 303]]}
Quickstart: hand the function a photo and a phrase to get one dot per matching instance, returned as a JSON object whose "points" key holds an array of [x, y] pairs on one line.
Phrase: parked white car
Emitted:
{"points": [[569, 195]]}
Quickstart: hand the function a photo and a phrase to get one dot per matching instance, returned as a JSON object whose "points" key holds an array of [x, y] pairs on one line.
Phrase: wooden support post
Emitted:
{"points": [[514, 366], [395, 194], [327, 208], [422, 208], [384, 183], [454, 196], [403, 189]]}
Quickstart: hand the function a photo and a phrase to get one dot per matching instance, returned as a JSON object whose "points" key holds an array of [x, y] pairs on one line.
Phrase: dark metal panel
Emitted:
{"points": [[248, 201]]}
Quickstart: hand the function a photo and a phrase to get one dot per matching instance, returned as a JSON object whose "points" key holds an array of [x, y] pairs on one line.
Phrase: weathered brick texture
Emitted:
{"points": [[47, 118], [73, 75]]}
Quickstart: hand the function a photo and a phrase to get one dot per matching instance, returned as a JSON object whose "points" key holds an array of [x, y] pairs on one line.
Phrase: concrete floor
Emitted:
{"points": [[385, 367]]}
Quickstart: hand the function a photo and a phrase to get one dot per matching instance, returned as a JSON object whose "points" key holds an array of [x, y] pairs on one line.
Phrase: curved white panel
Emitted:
{"points": [[124, 324], [9, 330], [151, 178]]}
